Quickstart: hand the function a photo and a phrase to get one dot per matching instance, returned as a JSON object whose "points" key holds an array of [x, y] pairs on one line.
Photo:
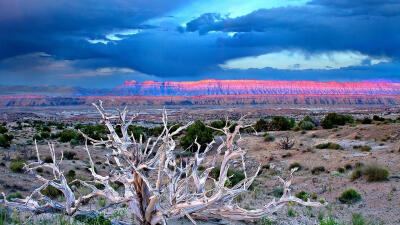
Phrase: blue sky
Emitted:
{"points": [[101, 43]]}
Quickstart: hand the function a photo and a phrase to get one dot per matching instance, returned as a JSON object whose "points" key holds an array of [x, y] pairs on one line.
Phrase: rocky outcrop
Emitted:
{"points": [[273, 100], [224, 92], [254, 87]]}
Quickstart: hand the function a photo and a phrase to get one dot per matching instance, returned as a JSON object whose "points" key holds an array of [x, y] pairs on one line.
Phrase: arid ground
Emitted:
{"points": [[324, 174]]}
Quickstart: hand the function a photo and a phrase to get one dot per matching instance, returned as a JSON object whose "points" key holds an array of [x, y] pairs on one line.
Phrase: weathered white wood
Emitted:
{"points": [[159, 184]]}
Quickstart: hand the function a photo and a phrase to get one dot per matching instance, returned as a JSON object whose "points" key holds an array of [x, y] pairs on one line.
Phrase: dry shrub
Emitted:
{"points": [[372, 173]]}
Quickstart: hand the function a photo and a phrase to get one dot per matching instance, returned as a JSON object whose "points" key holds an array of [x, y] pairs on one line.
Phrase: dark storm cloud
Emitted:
{"points": [[43, 25], [47, 40], [386, 71], [371, 27], [172, 55], [386, 8]]}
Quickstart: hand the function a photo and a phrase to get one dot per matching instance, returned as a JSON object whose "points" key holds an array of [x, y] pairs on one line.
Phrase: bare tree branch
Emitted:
{"points": [[159, 183]]}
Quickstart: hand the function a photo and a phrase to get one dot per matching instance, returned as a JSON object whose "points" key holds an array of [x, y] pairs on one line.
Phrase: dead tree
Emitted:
{"points": [[159, 184], [286, 142]]}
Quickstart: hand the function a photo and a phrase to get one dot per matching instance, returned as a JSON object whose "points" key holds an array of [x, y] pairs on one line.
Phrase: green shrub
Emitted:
{"points": [[54, 135], [266, 221], [358, 219], [5, 217], [357, 173], [102, 201], [71, 174], [219, 124], [327, 124], [14, 195], [341, 170], [328, 145], [378, 118], [248, 130], [116, 185], [156, 131], [99, 131], [334, 119], [44, 135], [198, 129], [234, 176], [261, 125], [46, 129], [39, 170], [308, 118], [280, 123], [100, 220], [99, 186], [3, 130], [69, 155], [5, 140], [317, 170], [366, 120], [303, 195], [17, 166], [314, 196], [371, 172], [51, 192], [68, 135], [348, 166], [306, 125], [294, 165], [278, 192], [136, 131], [291, 213], [48, 159], [375, 173], [329, 221], [37, 137], [349, 197]]}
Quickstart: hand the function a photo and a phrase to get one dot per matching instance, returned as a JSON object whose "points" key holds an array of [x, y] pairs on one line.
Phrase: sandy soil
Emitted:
{"points": [[380, 200]]}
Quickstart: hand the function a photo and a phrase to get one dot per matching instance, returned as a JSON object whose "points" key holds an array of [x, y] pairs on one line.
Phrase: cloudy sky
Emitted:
{"points": [[102, 43]]}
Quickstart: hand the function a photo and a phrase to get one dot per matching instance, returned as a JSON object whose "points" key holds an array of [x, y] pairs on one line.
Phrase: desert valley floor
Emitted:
{"points": [[324, 172]]}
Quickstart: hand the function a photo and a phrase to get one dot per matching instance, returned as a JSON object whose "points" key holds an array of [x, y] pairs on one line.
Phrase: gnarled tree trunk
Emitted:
{"points": [[158, 184]]}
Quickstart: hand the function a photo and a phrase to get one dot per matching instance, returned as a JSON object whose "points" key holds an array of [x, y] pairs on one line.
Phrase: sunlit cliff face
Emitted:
{"points": [[254, 87], [226, 92]]}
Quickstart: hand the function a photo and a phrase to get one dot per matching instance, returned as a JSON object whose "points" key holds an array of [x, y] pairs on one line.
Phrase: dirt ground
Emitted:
{"points": [[380, 200]]}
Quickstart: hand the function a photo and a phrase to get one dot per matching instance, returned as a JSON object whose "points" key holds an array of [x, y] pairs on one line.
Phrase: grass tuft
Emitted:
{"points": [[349, 197]]}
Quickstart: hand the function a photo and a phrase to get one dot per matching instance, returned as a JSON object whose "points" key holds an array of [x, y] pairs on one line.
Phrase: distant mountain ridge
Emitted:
{"points": [[253, 87], [211, 92], [213, 87], [330, 101]]}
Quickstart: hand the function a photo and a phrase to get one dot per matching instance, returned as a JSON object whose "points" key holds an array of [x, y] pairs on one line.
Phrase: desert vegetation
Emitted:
{"points": [[333, 119], [159, 183], [359, 154]]}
